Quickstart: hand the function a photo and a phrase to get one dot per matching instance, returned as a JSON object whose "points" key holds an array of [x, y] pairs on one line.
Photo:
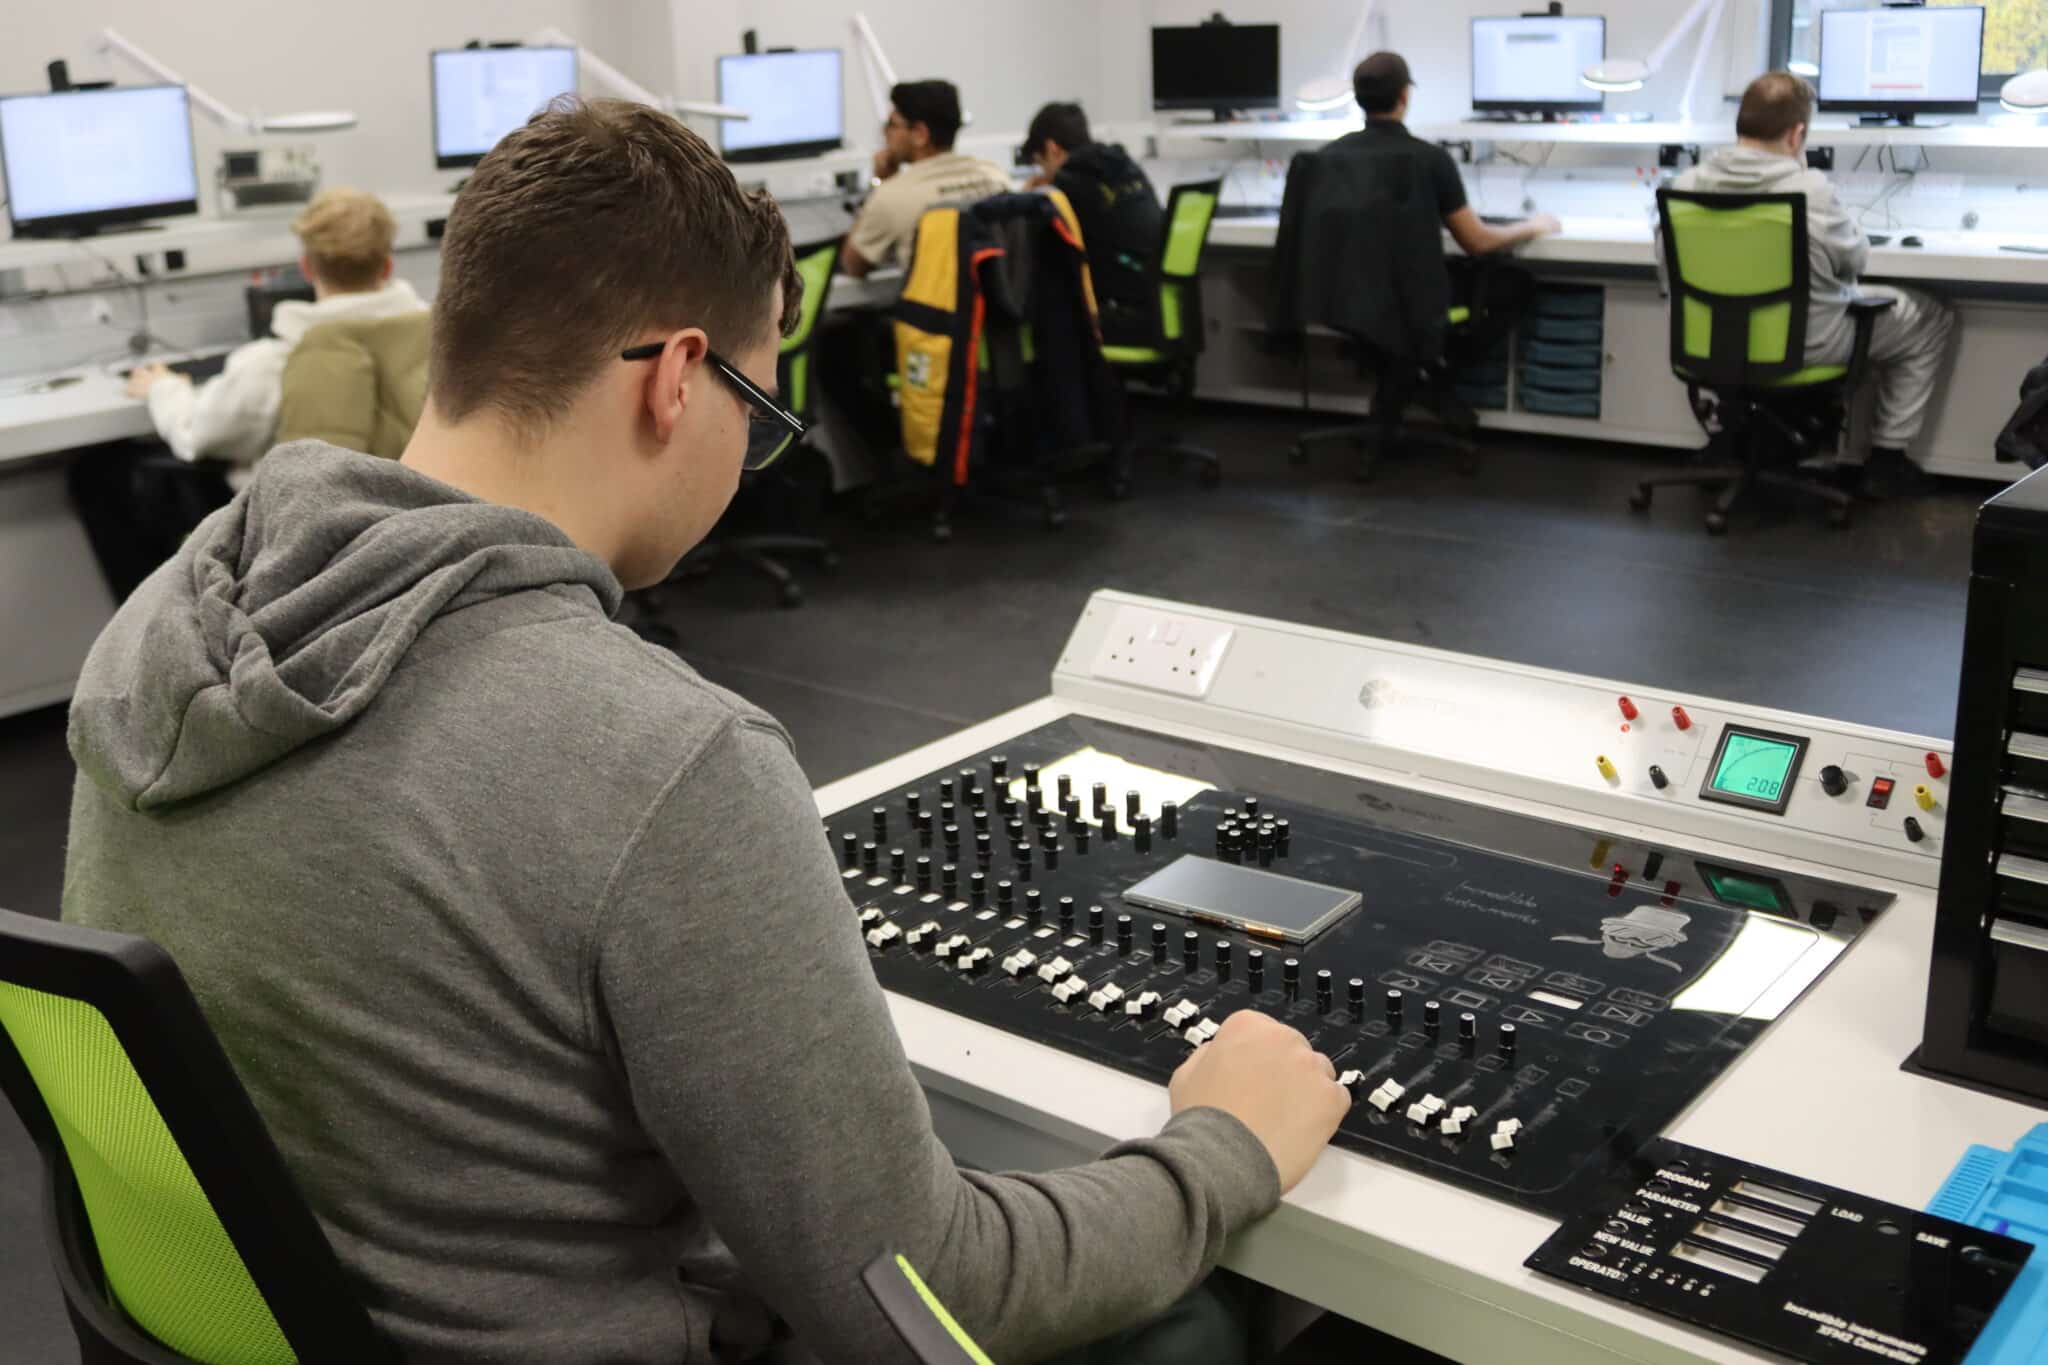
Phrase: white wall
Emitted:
{"points": [[368, 55]]}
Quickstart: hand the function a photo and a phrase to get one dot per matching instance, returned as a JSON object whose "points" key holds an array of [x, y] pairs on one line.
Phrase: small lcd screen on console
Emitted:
{"points": [[1754, 768], [1246, 898]]}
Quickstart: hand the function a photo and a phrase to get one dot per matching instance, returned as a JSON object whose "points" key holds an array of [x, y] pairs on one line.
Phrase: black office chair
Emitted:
{"points": [[1167, 360], [928, 1331], [176, 1232], [1740, 282]]}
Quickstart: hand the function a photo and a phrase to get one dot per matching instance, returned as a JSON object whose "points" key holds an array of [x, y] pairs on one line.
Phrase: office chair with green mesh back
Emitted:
{"points": [[927, 1329], [1168, 360], [763, 552], [176, 1232], [1740, 280]]}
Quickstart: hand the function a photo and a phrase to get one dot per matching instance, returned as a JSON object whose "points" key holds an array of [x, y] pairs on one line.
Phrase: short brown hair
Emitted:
{"points": [[591, 225], [347, 235], [1775, 103]]}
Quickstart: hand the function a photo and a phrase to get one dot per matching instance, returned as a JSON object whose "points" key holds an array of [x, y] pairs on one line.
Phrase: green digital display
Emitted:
{"points": [[1754, 767]]}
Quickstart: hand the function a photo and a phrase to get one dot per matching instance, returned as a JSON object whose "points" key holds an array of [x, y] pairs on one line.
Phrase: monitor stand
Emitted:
{"points": [[1901, 120]]}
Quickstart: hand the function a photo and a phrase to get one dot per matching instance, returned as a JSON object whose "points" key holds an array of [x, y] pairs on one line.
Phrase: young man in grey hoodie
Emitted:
{"points": [[1911, 338], [525, 939]]}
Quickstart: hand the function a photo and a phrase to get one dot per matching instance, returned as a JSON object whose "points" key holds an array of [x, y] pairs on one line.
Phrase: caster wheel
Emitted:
{"points": [[1717, 524], [1212, 475], [792, 595], [1640, 499], [1297, 454], [1119, 489], [829, 561]]}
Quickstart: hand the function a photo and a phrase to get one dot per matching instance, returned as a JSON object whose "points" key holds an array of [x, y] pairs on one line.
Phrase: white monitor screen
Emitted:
{"points": [[87, 152], [1872, 57], [481, 94], [1535, 63], [793, 100]]}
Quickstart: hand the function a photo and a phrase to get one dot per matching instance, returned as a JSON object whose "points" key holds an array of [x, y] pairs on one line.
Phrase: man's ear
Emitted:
{"points": [[668, 392], [390, 264]]}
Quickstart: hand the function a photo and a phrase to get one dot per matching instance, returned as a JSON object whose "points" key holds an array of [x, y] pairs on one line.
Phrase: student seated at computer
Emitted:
{"points": [[917, 168], [524, 939], [1911, 338], [1119, 213], [346, 236]]}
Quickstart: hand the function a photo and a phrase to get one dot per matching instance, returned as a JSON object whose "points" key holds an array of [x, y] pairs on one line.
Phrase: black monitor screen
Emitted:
{"points": [[1216, 66]]}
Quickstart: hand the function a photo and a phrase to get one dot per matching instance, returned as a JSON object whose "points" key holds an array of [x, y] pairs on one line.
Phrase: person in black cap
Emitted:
{"points": [[1381, 83]]}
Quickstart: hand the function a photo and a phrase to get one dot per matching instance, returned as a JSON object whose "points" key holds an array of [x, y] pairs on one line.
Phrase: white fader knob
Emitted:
{"points": [[1383, 1098], [1019, 962], [1504, 1134]]}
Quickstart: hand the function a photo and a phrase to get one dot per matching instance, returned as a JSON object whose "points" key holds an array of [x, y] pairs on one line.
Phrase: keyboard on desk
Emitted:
{"points": [[198, 370]]}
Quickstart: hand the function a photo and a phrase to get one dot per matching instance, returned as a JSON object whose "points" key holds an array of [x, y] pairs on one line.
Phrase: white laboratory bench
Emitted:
{"points": [[1820, 1094]]}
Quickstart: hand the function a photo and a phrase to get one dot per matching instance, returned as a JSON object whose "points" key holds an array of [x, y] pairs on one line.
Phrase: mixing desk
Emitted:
{"points": [[1539, 921]]}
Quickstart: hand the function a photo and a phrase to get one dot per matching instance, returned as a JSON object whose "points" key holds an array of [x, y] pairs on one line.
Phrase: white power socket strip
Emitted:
{"points": [[1155, 649]]}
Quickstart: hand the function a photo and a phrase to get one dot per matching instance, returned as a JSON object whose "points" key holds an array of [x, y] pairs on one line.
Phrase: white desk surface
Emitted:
{"points": [[263, 232], [2000, 132], [1955, 257], [1819, 1095]]}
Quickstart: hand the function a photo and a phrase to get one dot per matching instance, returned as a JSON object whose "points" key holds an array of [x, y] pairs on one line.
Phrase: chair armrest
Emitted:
{"points": [[1871, 304], [1863, 311]]}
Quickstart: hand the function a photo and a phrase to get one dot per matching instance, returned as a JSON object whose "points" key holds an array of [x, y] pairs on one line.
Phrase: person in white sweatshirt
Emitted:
{"points": [[346, 236], [1911, 338]]}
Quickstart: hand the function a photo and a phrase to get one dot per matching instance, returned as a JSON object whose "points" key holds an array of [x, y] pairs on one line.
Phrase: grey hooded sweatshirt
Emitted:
{"points": [[527, 943], [1836, 246]]}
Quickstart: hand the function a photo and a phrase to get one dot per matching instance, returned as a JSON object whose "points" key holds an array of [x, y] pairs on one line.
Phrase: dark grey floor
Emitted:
{"points": [[1537, 560]]}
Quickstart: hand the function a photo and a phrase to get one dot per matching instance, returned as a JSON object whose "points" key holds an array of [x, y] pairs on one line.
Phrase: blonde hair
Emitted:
{"points": [[347, 235]]}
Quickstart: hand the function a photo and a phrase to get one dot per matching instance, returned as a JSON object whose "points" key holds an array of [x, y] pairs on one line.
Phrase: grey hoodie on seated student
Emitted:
{"points": [[1835, 244], [527, 944]]}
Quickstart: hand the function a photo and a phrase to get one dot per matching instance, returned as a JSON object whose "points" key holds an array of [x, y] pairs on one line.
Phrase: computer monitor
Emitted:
{"points": [[1899, 63], [1532, 65], [81, 160], [794, 102], [1216, 66], [483, 93]]}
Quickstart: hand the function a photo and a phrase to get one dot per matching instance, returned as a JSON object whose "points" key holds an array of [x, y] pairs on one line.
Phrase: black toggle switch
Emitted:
{"points": [[1095, 924], [849, 849], [1034, 906], [1191, 951], [924, 874], [1326, 992], [870, 858], [881, 818], [949, 881], [1159, 943], [1657, 778], [1141, 834], [1290, 977], [1051, 845], [1066, 914], [1223, 958], [1169, 819], [1255, 970], [1133, 803], [899, 865], [1468, 1029], [977, 890], [1652, 865], [1913, 830], [1123, 935], [1354, 997], [1395, 1001], [913, 802], [1031, 771], [1833, 780], [1507, 1040], [998, 767]]}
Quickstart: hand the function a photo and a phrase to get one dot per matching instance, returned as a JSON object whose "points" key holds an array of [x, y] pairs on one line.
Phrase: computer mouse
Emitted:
{"points": [[1911, 241]]}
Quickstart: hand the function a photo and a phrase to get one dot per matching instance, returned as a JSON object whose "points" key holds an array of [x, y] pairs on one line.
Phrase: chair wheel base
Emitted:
{"points": [[1640, 499]]}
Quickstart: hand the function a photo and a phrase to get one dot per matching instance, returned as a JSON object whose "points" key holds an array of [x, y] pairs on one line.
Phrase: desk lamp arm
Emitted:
{"points": [[881, 75], [112, 41], [625, 87]]}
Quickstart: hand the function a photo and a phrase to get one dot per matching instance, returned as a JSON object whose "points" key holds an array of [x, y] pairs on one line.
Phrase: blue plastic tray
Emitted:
{"points": [[2008, 1192]]}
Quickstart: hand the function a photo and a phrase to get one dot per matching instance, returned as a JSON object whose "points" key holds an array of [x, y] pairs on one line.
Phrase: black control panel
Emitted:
{"points": [[1516, 1004], [1808, 1271]]}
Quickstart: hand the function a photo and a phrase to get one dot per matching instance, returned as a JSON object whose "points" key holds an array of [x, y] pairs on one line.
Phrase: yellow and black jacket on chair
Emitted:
{"points": [[1017, 259]]}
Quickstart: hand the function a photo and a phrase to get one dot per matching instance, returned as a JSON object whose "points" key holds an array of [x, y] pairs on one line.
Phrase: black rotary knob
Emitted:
{"points": [[1066, 789], [949, 880], [946, 789], [1657, 778], [977, 890], [870, 857], [1169, 819], [1191, 951], [977, 797], [1015, 829], [1051, 846], [1326, 992], [1913, 830], [1432, 1015], [984, 850], [1034, 906], [849, 849], [1282, 831], [880, 815], [1396, 1000], [1354, 996], [1507, 1040], [1031, 771], [998, 767], [979, 816], [1290, 977], [951, 834], [1123, 934], [1833, 780], [1066, 914], [1468, 1027], [913, 802], [924, 874], [1251, 806], [924, 824], [1141, 833], [1006, 895], [1158, 943], [1255, 970], [1079, 829], [1095, 923], [1133, 803], [899, 865], [1021, 854], [1223, 958], [1098, 798], [1006, 805]]}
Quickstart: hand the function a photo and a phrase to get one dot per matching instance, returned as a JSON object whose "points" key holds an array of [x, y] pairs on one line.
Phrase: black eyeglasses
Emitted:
{"points": [[770, 426]]}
